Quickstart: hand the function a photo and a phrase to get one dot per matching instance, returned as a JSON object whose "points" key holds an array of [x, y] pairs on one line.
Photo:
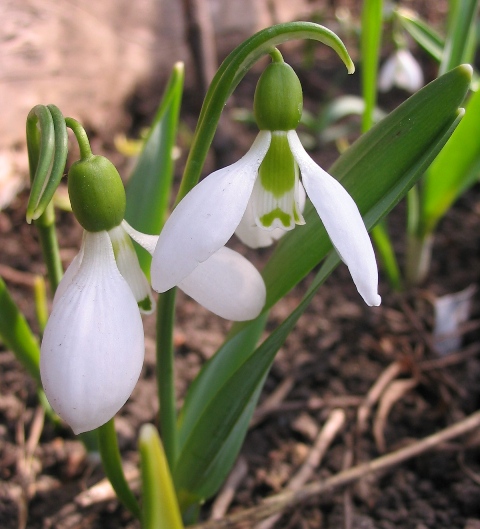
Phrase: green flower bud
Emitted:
{"points": [[278, 98], [96, 193]]}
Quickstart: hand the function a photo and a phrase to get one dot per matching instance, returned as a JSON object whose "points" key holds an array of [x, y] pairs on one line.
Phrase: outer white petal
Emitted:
{"points": [[409, 75], [206, 218], [342, 220], [70, 273], [254, 236], [93, 347], [228, 285], [129, 267], [386, 77]]}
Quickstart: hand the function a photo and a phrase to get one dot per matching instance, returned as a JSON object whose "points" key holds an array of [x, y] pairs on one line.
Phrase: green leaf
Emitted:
{"points": [[148, 190], [195, 413], [456, 168], [425, 36], [370, 48], [17, 335], [160, 507], [377, 170], [459, 47]]}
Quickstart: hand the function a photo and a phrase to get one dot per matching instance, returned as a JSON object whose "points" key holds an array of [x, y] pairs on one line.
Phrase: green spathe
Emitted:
{"points": [[96, 193], [278, 101]]}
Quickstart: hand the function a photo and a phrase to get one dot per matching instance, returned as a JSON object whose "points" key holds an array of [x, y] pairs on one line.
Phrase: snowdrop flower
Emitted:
{"points": [[93, 346], [262, 194], [401, 69], [225, 283]]}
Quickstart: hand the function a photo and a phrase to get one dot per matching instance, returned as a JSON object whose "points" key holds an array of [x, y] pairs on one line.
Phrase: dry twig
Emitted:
{"points": [[286, 500], [390, 373], [327, 434], [225, 496], [395, 391]]}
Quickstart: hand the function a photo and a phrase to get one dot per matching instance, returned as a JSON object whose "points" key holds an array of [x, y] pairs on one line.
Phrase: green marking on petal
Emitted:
{"points": [[145, 304], [277, 171], [268, 219], [296, 216]]}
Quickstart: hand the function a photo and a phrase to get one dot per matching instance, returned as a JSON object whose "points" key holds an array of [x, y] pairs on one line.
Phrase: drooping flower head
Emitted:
{"points": [[401, 69], [262, 194], [93, 346]]}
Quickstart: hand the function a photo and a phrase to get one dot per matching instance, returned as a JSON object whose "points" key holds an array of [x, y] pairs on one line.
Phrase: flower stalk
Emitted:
{"points": [[166, 373]]}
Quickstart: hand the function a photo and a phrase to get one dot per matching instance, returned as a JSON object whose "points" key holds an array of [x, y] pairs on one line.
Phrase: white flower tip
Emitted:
{"points": [[373, 301], [88, 425]]}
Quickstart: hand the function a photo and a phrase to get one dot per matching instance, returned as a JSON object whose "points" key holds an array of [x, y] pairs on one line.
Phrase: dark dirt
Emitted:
{"points": [[331, 360]]}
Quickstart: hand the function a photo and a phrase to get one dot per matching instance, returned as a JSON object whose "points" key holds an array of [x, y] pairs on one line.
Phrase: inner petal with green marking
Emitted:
{"points": [[276, 192]]}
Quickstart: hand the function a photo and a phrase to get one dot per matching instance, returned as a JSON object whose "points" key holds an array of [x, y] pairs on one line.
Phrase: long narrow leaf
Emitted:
{"points": [[425, 36], [160, 508], [148, 189], [458, 45], [456, 168], [16, 334]]}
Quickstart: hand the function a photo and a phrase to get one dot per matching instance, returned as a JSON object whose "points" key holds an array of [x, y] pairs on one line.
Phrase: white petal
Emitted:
{"points": [[254, 236], [228, 285], [148, 242], [129, 267], [69, 274], [93, 346], [409, 75], [206, 218], [342, 220], [386, 77], [401, 69]]}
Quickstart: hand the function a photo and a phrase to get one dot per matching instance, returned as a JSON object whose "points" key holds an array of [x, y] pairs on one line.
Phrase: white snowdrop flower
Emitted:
{"points": [[401, 69], [93, 345], [266, 186]]}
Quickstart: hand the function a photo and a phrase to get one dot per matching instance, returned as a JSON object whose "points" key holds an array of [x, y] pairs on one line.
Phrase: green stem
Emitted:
{"points": [[384, 247], [231, 72], [166, 373], [47, 153], [370, 50], [81, 136], [112, 465], [419, 246], [276, 55], [49, 244]]}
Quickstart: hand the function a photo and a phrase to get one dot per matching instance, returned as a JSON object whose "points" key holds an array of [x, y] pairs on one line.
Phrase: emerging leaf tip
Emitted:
{"points": [[147, 433], [467, 70]]}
